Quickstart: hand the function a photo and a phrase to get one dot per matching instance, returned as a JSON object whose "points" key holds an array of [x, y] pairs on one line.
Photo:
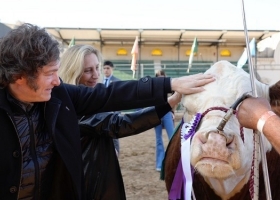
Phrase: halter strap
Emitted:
{"points": [[224, 110]]}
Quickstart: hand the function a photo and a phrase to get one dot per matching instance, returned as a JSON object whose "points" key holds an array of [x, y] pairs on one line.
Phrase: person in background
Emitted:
{"points": [[108, 68], [167, 123], [40, 138]]}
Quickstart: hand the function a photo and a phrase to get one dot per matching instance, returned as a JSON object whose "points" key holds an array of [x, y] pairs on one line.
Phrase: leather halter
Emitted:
{"points": [[224, 110]]}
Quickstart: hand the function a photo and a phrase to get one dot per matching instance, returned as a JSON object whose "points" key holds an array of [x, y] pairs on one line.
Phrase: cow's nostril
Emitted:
{"points": [[228, 137], [204, 137]]}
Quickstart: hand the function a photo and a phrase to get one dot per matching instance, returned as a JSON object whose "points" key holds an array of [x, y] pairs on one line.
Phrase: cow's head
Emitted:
{"points": [[224, 162]]}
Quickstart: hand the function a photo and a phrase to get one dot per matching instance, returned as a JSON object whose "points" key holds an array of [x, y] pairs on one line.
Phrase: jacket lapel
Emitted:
{"points": [[51, 110]]}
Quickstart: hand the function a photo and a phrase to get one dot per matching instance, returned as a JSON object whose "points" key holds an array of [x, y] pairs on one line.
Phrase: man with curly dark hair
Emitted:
{"points": [[40, 148], [32, 48]]}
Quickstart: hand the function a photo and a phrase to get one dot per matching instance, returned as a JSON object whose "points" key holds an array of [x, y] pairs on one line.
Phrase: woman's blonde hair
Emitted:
{"points": [[72, 62]]}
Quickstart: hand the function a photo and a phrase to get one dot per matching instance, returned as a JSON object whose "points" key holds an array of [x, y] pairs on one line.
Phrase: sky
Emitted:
{"points": [[144, 14]]}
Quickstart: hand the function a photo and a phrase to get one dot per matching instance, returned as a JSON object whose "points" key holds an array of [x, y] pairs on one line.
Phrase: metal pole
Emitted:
{"points": [[254, 92]]}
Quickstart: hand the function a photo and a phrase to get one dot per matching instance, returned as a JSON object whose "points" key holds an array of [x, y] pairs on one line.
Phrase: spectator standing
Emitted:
{"points": [[108, 68], [167, 123]]}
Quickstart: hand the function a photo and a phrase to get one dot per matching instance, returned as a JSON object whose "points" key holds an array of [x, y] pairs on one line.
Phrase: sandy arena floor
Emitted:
{"points": [[137, 161]]}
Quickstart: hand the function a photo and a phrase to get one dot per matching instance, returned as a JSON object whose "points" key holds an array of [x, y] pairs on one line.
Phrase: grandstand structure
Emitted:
{"points": [[4, 29], [172, 47]]}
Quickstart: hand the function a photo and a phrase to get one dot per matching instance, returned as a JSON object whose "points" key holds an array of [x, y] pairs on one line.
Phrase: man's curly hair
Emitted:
{"points": [[23, 51]]}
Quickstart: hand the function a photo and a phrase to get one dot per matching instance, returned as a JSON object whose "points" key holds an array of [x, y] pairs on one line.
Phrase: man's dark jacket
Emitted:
{"points": [[60, 114]]}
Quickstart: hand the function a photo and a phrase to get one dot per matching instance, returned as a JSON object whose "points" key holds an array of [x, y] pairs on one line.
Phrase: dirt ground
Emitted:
{"points": [[137, 161]]}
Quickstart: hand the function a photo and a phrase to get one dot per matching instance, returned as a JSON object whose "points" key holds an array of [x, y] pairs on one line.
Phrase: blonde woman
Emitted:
{"points": [[80, 65], [72, 69]]}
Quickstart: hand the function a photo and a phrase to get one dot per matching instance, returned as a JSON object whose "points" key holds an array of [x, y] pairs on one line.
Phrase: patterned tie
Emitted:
{"points": [[106, 80]]}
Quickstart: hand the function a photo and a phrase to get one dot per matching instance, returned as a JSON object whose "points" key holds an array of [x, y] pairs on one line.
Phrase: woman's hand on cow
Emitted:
{"points": [[174, 99], [191, 84], [250, 111]]}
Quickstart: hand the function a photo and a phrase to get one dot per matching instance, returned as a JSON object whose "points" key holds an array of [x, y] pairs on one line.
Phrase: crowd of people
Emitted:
{"points": [[58, 124]]}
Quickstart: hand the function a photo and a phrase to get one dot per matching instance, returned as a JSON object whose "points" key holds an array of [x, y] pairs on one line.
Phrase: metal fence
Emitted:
{"points": [[123, 71]]}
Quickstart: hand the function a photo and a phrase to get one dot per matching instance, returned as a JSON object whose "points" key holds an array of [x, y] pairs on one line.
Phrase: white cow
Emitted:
{"points": [[222, 162]]}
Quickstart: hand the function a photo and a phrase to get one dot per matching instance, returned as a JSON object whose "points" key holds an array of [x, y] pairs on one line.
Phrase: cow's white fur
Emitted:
{"points": [[225, 167]]}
